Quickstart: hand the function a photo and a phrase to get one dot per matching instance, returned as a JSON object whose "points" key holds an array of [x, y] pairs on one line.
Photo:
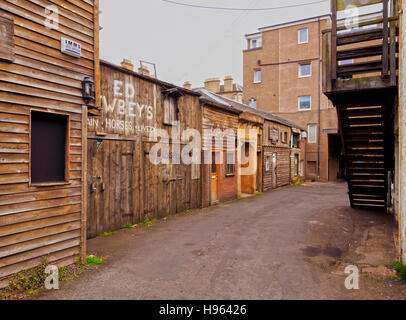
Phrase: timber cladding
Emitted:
{"points": [[276, 162], [125, 187], [43, 217]]}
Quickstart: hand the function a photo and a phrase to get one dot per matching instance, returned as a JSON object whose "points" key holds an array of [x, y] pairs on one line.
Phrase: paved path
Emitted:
{"points": [[264, 247]]}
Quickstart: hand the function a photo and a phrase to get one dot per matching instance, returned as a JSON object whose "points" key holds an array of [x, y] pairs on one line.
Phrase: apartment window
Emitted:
{"points": [[303, 36], [305, 103], [49, 151], [170, 109], [235, 97], [230, 166], [305, 70], [257, 76], [253, 103], [312, 133], [256, 43]]}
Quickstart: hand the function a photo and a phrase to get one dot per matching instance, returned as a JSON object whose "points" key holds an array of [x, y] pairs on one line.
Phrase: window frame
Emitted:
{"points": [[315, 133], [260, 75], [67, 150], [310, 108], [230, 165], [307, 36], [300, 70]]}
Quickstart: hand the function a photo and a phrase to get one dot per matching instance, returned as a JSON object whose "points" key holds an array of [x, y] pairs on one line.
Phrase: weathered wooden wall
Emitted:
{"points": [[38, 221], [282, 150], [124, 186]]}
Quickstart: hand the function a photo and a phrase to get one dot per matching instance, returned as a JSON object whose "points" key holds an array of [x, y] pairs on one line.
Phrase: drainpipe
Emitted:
{"points": [[319, 98]]}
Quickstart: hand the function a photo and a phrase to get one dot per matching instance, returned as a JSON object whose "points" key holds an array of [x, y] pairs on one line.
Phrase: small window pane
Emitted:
{"points": [[257, 76], [304, 103], [305, 70], [230, 166], [303, 36], [253, 103]]}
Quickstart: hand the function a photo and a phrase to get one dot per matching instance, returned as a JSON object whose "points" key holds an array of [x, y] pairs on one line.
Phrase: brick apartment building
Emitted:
{"points": [[283, 75]]}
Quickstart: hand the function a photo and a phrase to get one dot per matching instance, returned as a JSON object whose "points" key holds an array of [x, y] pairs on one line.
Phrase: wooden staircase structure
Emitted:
{"points": [[360, 78]]}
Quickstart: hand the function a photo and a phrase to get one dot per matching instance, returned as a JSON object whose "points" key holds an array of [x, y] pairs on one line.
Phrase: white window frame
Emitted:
{"points": [[315, 133], [298, 36], [255, 75], [300, 70], [298, 103]]}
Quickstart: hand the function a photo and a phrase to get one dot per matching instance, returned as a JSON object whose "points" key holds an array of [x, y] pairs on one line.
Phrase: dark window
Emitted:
{"points": [[295, 142], [49, 148], [230, 166], [213, 163]]}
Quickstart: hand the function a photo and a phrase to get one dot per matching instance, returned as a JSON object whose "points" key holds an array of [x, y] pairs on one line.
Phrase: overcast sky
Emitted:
{"points": [[189, 43]]}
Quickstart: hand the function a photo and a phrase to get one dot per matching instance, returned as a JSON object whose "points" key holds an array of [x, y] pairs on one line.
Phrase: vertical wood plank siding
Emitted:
{"points": [[42, 221], [124, 186]]}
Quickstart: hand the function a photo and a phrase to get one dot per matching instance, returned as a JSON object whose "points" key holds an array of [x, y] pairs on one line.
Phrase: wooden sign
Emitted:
{"points": [[6, 39], [343, 4], [274, 134]]}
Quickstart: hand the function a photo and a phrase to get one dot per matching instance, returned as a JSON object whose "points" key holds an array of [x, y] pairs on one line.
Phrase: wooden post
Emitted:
{"points": [[334, 40], [97, 54], [385, 46], [392, 53], [83, 224]]}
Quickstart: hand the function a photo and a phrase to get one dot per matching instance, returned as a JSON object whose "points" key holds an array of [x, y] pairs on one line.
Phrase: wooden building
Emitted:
{"points": [[219, 121], [125, 185], [297, 154], [47, 49], [277, 155]]}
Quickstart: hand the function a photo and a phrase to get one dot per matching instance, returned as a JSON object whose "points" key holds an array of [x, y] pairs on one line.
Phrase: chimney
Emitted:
{"points": [[228, 84], [187, 85], [127, 64], [212, 85], [143, 70]]}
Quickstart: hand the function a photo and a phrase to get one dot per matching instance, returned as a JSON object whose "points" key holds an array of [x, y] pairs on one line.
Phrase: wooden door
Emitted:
{"points": [[274, 170], [214, 172], [112, 181]]}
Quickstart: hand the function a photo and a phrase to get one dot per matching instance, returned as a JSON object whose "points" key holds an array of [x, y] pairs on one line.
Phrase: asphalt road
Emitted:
{"points": [[264, 247]]}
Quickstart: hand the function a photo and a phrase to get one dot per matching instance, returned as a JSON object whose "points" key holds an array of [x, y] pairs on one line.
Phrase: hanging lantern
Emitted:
{"points": [[87, 90]]}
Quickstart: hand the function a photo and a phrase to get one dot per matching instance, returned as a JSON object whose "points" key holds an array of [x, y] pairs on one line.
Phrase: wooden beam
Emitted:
{"points": [[385, 45], [334, 40]]}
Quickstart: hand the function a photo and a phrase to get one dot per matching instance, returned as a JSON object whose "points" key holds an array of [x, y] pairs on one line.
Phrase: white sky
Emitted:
{"points": [[190, 43]]}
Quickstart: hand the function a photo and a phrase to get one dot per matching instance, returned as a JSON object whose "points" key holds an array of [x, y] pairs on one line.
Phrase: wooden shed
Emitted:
{"points": [[42, 116], [219, 173], [125, 186], [277, 152]]}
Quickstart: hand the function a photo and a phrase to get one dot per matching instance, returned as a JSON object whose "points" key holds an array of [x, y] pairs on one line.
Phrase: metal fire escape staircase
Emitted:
{"points": [[360, 78]]}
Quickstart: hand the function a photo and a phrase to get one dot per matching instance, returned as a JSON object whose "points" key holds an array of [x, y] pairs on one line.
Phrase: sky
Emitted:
{"points": [[187, 43]]}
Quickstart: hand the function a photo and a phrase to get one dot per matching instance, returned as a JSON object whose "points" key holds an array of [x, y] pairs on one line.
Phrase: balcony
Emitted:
{"points": [[362, 57]]}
